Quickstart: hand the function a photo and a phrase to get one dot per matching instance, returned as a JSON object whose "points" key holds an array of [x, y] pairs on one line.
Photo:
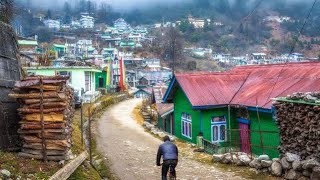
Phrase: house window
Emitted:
{"points": [[218, 129], [66, 73], [186, 126], [87, 79]]}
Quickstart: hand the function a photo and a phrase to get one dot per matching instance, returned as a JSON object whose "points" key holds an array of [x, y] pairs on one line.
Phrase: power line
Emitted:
{"points": [[292, 49], [250, 14], [302, 28]]}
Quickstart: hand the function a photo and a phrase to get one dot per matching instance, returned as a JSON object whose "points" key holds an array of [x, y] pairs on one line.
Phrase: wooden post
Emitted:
{"points": [[90, 142], [81, 117], [260, 133], [44, 145], [65, 172]]}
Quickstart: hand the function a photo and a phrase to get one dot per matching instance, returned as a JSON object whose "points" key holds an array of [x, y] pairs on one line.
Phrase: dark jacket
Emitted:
{"points": [[167, 150]]}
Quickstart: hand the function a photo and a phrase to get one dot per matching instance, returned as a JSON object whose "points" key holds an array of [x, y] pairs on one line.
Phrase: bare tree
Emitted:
{"points": [[6, 10], [173, 47]]}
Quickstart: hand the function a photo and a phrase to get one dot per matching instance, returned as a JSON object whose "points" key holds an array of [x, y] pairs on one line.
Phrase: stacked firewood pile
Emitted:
{"points": [[46, 111], [298, 118]]}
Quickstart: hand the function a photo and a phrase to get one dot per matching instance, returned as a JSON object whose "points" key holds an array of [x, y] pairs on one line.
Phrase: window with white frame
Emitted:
{"points": [[66, 73], [186, 125], [218, 129]]}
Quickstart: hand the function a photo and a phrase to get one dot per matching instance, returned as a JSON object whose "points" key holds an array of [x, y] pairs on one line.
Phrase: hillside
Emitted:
{"points": [[244, 27]]}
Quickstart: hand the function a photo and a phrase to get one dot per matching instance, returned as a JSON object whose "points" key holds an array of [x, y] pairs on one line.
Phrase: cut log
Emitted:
{"points": [[46, 87], [30, 110], [47, 78], [49, 105], [45, 100], [50, 94], [39, 146], [51, 158], [39, 131], [46, 126], [33, 139], [46, 117], [39, 152]]}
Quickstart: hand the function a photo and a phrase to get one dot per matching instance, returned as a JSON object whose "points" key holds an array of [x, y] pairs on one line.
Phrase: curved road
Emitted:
{"points": [[132, 151]]}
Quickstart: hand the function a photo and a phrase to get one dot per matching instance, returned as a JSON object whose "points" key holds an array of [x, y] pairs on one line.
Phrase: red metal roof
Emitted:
{"points": [[210, 89], [250, 85]]}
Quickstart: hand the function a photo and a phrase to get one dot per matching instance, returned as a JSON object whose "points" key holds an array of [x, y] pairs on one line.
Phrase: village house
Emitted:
{"points": [[81, 77], [52, 24], [234, 108], [144, 93], [258, 58], [198, 23], [87, 22], [164, 110], [29, 51]]}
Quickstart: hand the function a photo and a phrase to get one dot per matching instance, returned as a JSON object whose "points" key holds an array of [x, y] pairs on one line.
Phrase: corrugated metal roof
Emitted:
{"points": [[164, 108], [270, 81], [210, 89], [250, 85], [159, 92]]}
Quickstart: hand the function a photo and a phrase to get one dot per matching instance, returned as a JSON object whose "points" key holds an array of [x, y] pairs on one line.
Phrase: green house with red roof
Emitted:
{"points": [[234, 108]]}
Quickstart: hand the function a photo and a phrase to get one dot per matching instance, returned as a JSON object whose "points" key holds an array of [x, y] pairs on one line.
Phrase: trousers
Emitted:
{"points": [[165, 167]]}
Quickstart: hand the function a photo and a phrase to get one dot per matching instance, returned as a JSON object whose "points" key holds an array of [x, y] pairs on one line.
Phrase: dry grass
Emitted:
{"points": [[136, 113]]}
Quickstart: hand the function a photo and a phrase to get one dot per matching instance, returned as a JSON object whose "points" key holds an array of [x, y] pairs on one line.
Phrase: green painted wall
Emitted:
{"points": [[160, 123], [102, 75], [208, 114], [268, 139], [182, 105]]}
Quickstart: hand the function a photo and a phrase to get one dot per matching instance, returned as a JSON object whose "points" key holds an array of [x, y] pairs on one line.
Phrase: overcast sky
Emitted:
{"points": [[116, 4], [136, 4]]}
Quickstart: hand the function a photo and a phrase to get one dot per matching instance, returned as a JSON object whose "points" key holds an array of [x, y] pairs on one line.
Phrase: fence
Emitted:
{"points": [[249, 141]]}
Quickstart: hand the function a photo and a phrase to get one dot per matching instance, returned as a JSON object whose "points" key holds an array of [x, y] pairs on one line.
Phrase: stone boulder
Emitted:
{"points": [[292, 157], [303, 178], [244, 159], [5, 174], [285, 164], [315, 173], [292, 174], [276, 168], [235, 159], [217, 157], [255, 163], [263, 157], [227, 159], [296, 165], [309, 164], [306, 173], [276, 159], [266, 163]]}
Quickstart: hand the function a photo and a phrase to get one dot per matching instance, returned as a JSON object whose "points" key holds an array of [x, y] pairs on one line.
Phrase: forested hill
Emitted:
{"points": [[243, 20]]}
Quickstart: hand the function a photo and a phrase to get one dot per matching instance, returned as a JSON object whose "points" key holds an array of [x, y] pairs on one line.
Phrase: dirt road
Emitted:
{"points": [[132, 151]]}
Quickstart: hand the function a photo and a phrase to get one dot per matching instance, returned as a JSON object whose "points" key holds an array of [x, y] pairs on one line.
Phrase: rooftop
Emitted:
{"points": [[28, 42], [252, 86]]}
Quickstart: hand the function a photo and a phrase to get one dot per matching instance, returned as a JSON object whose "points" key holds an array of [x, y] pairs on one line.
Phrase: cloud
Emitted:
{"points": [[119, 5]]}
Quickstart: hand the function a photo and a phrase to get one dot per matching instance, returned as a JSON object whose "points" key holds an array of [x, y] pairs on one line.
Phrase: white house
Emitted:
{"points": [[52, 24], [81, 77], [121, 24], [87, 21]]}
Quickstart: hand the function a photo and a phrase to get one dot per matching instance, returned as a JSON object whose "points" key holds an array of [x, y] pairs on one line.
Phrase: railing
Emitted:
{"points": [[253, 141], [249, 141], [210, 148]]}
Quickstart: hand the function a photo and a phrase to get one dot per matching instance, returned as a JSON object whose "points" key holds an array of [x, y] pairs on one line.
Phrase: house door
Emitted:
{"points": [[101, 82], [171, 124], [245, 138]]}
